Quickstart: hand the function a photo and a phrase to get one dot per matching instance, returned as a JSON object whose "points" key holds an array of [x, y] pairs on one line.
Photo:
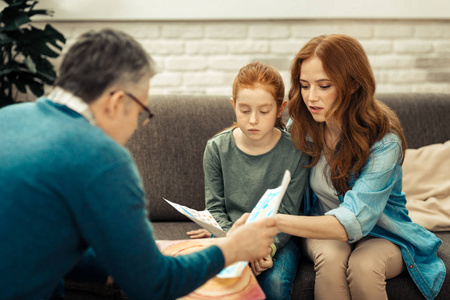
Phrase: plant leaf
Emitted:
{"points": [[27, 79], [24, 50], [36, 88], [20, 85], [17, 3], [45, 50], [36, 40], [4, 39], [30, 64], [41, 12], [53, 33], [16, 22], [46, 77], [7, 71]]}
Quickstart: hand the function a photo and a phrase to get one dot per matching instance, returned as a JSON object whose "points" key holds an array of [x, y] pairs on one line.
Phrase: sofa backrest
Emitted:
{"points": [[425, 118], [169, 150]]}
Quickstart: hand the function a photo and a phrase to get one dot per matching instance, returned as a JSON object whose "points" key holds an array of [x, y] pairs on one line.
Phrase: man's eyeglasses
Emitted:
{"points": [[143, 120]]}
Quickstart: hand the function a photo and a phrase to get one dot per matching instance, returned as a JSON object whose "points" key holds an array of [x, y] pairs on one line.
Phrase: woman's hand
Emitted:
{"points": [[259, 266], [199, 233]]}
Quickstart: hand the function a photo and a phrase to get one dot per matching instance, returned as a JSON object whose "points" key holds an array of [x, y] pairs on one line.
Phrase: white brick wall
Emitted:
{"points": [[202, 57]]}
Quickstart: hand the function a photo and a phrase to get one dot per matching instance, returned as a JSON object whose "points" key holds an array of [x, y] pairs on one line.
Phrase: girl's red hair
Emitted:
{"points": [[261, 75]]}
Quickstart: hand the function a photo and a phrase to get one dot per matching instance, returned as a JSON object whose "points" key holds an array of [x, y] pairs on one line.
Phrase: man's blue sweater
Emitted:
{"points": [[66, 186]]}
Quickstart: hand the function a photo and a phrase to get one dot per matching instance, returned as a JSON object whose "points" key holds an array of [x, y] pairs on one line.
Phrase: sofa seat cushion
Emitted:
{"points": [[173, 230]]}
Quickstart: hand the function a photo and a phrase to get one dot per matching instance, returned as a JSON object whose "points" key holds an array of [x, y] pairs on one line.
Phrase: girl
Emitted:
{"points": [[358, 232], [241, 163]]}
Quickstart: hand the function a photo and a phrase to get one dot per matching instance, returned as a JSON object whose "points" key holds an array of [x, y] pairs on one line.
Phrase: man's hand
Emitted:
{"points": [[259, 266], [248, 242], [199, 233]]}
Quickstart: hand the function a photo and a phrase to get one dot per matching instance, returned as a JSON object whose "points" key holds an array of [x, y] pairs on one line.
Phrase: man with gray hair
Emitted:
{"points": [[68, 184]]}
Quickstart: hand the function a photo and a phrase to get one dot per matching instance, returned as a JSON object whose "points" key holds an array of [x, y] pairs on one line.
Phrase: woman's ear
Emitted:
{"points": [[281, 109], [355, 87]]}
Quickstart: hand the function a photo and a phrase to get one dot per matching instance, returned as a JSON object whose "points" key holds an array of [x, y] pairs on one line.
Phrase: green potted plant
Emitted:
{"points": [[24, 50]]}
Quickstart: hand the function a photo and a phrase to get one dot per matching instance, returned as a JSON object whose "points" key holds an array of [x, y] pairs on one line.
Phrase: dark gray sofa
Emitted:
{"points": [[169, 154]]}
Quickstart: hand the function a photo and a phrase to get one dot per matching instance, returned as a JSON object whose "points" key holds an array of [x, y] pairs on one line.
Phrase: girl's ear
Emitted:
{"points": [[281, 108], [233, 102]]}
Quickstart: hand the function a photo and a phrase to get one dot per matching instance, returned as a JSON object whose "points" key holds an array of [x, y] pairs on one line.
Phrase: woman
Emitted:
{"points": [[357, 229]]}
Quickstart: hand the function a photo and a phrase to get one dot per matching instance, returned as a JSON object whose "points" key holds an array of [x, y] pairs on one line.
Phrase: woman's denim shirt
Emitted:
{"points": [[375, 206]]}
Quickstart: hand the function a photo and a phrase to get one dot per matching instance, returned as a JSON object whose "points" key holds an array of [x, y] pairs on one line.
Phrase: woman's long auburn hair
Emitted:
{"points": [[364, 120], [261, 75]]}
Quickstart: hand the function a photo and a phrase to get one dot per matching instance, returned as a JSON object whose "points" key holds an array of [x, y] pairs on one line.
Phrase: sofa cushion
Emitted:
{"points": [[173, 230], [426, 184]]}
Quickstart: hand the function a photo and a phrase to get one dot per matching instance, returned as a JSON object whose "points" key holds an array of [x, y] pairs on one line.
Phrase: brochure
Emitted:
{"points": [[202, 218]]}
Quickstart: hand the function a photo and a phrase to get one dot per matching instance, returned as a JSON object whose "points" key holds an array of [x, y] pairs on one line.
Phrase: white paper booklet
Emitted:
{"points": [[267, 206], [202, 218]]}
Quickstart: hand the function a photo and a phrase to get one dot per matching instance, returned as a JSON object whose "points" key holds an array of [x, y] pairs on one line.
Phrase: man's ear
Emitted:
{"points": [[281, 109], [112, 104]]}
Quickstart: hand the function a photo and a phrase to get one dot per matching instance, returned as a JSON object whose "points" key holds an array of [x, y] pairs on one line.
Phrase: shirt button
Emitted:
{"points": [[410, 266]]}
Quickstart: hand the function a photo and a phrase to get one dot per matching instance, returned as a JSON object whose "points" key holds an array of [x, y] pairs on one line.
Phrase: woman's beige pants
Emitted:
{"points": [[353, 271]]}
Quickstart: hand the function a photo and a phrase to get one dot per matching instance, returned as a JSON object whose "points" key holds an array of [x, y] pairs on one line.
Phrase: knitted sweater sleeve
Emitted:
{"points": [[214, 186], [112, 218]]}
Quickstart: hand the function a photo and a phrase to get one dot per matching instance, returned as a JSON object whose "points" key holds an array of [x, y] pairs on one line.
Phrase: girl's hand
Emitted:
{"points": [[109, 280], [199, 233], [259, 266]]}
